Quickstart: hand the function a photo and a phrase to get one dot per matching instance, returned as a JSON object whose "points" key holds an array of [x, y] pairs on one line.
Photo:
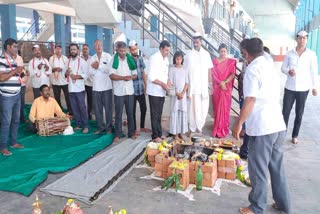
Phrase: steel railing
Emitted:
{"points": [[38, 25], [181, 30]]}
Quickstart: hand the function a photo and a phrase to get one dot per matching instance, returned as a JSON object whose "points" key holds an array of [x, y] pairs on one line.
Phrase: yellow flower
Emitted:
{"points": [[219, 156], [123, 211], [237, 157], [164, 143], [160, 148], [241, 167]]}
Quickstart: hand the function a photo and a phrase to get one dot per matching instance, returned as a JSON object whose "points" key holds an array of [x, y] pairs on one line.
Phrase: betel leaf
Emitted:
{"points": [[167, 183], [170, 181]]}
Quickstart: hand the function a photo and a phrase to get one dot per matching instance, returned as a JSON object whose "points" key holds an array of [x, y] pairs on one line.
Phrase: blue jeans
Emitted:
{"points": [[10, 117], [79, 109]]}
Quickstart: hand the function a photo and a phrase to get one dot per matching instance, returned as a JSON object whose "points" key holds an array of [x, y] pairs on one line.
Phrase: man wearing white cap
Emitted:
{"points": [[198, 63], [139, 86], [40, 70], [301, 68]]}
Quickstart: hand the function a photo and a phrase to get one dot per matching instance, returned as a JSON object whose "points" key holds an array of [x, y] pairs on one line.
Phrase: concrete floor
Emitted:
{"points": [[136, 194]]}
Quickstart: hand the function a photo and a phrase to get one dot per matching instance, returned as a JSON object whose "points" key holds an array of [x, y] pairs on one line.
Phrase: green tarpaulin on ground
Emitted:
{"points": [[26, 168]]}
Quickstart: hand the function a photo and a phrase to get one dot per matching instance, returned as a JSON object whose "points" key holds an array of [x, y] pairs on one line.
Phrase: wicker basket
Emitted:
{"points": [[52, 126]]}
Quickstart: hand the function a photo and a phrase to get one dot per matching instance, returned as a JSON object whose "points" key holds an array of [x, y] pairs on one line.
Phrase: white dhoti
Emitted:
{"points": [[198, 107]]}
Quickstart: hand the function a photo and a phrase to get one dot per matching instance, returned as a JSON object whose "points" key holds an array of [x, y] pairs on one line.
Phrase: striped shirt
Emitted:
{"points": [[12, 86]]}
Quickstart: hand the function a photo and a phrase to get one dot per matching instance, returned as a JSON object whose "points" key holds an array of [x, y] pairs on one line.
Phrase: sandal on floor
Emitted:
{"points": [[245, 210]]}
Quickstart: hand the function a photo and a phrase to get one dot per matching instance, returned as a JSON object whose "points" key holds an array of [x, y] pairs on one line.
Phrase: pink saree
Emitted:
{"points": [[221, 99]]}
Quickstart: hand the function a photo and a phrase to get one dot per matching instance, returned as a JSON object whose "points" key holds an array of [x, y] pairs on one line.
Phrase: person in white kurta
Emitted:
{"points": [[198, 63], [40, 70], [88, 83], [102, 88], [76, 72], [58, 80]]}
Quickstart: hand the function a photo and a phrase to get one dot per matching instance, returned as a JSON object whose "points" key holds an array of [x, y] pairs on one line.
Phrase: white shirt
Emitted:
{"points": [[158, 70], [56, 62], [100, 77], [39, 77], [306, 68], [198, 63], [121, 87], [88, 81], [263, 82], [80, 69]]}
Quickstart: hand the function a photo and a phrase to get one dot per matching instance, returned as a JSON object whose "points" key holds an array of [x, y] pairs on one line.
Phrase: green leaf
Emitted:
{"points": [[167, 183], [145, 159]]}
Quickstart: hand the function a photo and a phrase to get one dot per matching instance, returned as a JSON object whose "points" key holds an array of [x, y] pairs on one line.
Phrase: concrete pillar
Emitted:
{"points": [[92, 33], [8, 21], [314, 39], [318, 48], [107, 41], [68, 29], [59, 31]]}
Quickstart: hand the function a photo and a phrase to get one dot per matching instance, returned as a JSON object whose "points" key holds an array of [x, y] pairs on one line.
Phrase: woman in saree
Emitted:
{"points": [[223, 73]]}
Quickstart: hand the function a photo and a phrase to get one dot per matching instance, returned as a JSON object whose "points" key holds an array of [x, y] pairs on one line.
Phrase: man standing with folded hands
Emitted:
{"points": [[102, 88]]}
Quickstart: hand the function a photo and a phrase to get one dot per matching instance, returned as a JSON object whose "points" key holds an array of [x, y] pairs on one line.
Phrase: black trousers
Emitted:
{"points": [[119, 102], [143, 110], [89, 101], [36, 93], [156, 107], [289, 98], [57, 95]]}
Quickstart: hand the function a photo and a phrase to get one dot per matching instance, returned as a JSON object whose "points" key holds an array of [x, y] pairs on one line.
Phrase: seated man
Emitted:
{"points": [[44, 107]]}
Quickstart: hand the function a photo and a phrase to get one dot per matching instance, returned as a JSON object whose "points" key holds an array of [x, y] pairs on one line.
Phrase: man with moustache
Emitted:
{"points": [[122, 70], [76, 73], [88, 82], [140, 86], [10, 99], [157, 87], [58, 63], [102, 88], [198, 63], [39, 70], [265, 128], [44, 107]]}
